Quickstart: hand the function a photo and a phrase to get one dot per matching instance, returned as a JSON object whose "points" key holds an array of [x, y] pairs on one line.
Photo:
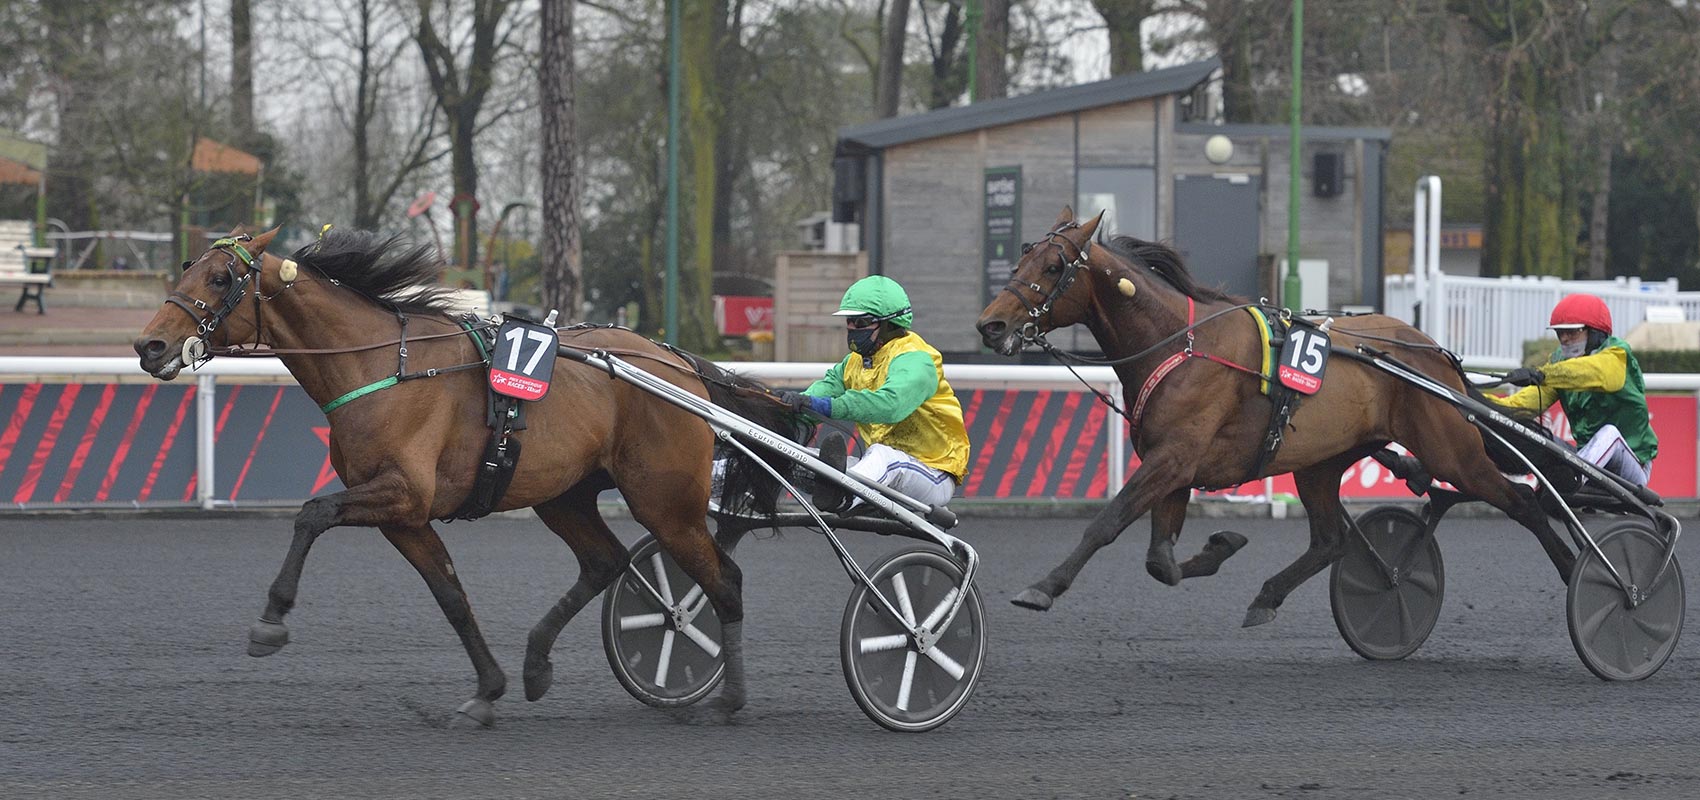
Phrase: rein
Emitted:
{"points": [[688, 367]]}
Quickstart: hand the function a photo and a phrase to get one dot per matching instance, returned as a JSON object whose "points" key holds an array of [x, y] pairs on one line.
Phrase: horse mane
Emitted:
{"points": [[747, 488], [1164, 261], [386, 269]]}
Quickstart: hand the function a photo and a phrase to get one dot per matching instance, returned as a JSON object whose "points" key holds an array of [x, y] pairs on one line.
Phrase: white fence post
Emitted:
{"points": [[1115, 449], [206, 409]]}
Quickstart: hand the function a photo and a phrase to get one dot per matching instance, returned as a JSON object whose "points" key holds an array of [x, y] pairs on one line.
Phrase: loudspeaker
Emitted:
{"points": [[848, 184], [1326, 173]]}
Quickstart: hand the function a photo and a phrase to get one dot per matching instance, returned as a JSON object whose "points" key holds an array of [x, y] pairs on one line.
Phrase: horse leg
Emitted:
{"points": [[370, 503], [601, 558], [684, 535], [422, 548], [1319, 489], [1167, 517], [1483, 481], [1156, 478]]}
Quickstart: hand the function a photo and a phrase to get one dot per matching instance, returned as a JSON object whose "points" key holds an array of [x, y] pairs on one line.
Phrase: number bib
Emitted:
{"points": [[1303, 358], [524, 359]]}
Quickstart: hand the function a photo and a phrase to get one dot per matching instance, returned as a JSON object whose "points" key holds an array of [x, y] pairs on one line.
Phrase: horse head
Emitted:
{"points": [[1044, 291], [202, 307]]}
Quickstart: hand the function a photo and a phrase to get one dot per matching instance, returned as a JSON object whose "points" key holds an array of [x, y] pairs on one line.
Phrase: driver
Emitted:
{"points": [[1595, 377], [892, 386]]}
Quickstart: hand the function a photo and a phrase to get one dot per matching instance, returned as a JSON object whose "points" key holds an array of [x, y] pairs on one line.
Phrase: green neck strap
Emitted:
{"points": [[369, 388]]}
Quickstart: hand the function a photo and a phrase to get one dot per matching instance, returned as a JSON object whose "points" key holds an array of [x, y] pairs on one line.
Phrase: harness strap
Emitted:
{"points": [[1162, 371], [375, 386], [379, 385]]}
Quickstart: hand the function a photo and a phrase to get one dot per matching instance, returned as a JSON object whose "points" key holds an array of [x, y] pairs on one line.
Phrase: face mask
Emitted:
{"points": [[863, 341], [1572, 350]]}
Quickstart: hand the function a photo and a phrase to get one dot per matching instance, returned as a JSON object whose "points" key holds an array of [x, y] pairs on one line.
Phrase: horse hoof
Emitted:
{"points": [[713, 711], [1256, 616], [538, 680], [476, 711], [1227, 542], [1033, 599], [1166, 571], [266, 638]]}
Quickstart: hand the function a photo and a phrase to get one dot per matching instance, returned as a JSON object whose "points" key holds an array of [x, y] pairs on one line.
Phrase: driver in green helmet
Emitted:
{"points": [[892, 386]]}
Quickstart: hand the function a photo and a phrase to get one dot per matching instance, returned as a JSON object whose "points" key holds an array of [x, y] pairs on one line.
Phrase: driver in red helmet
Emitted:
{"points": [[1595, 377]]}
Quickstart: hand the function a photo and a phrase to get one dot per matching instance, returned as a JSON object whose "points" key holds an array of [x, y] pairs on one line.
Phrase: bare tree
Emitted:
{"points": [[242, 71], [460, 91], [991, 44], [894, 33], [560, 254], [1123, 19]]}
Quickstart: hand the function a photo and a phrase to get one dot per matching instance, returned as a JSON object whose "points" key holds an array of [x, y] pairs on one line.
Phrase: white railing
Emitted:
{"points": [[1487, 320], [965, 376]]}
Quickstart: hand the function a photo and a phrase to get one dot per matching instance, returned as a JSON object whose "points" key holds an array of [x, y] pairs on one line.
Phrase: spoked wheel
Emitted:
{"points": [[1626, 637], [661, 634], [1387, 588], [898, 683]]}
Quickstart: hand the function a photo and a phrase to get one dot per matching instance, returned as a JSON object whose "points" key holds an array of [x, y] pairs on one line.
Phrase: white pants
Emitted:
{"points": [[901, 471], [885, 465], [1609, 452]]}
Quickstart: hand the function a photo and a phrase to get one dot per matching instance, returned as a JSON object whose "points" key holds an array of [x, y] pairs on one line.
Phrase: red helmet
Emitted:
{"points": [[1577, 310]]}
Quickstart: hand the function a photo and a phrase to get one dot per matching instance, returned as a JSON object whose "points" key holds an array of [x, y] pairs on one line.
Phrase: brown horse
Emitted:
{"points": [[1203, 423], [342, 314]]}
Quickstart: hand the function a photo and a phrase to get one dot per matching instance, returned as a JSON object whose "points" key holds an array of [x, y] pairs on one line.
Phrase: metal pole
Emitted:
{"points": [[1419, 255], [1436, 302], [670, 319], [1290, 290]]}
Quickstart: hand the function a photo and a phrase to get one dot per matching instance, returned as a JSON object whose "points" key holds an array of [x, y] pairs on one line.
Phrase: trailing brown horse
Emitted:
{"points": [[1202, 423], [343, 314]]}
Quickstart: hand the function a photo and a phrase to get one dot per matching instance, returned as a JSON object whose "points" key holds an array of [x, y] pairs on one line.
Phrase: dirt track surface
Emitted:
{"points": [[123, 674]]}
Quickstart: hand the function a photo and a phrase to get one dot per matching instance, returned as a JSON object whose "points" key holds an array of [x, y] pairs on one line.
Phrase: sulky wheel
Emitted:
{"points": [[898, 684], [661, 634], [1619, 640], [1387, 587]]}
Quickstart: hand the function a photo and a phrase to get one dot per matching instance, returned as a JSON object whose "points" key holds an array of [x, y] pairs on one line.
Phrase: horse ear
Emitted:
{"points": [[258, 245], [1091, 227], [1064, 218]]}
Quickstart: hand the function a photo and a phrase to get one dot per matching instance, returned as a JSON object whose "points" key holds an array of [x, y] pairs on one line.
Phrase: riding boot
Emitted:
{"points": [[1406, 468], [828, 497]]}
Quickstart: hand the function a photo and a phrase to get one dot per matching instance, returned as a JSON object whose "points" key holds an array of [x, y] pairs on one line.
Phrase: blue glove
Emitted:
{"points": [[822, 406], [799, 403]]}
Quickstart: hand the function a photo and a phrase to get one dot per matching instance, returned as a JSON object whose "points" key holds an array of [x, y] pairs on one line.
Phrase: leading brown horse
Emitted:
{"points": [[343, 314], [1201, 423]]}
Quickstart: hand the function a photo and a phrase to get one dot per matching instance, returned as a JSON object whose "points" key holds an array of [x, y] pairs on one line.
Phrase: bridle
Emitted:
{"points": [[1030, 332], [195, 347]]}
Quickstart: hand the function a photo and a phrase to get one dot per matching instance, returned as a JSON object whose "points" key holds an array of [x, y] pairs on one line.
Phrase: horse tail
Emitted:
{"points": [[747, 489]]}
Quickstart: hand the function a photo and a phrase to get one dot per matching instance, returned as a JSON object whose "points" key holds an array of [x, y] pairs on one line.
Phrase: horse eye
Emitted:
{"points": [[220, 280], [1052, 269]]}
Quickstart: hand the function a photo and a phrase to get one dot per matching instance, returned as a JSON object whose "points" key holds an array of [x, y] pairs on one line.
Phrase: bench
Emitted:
{"points": [[23, 264]]}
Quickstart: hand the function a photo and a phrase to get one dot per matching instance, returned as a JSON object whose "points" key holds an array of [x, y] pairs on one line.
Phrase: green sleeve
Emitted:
{"points": [[909, 382], [831, 384]]}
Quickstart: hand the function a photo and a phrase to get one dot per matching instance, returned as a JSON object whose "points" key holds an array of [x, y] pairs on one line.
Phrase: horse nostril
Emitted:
{"points": [[992, 328], [150, 348]]}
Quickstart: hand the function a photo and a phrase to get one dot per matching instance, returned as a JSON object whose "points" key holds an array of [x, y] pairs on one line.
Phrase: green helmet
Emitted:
{"points": [[877, 296]]}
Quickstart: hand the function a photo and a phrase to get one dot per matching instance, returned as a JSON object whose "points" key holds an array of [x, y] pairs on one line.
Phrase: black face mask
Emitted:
{"points": [[863, 341]]}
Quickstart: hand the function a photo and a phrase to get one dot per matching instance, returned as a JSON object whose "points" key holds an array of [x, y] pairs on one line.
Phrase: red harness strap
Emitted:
{"points": [[1162, 371]]}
